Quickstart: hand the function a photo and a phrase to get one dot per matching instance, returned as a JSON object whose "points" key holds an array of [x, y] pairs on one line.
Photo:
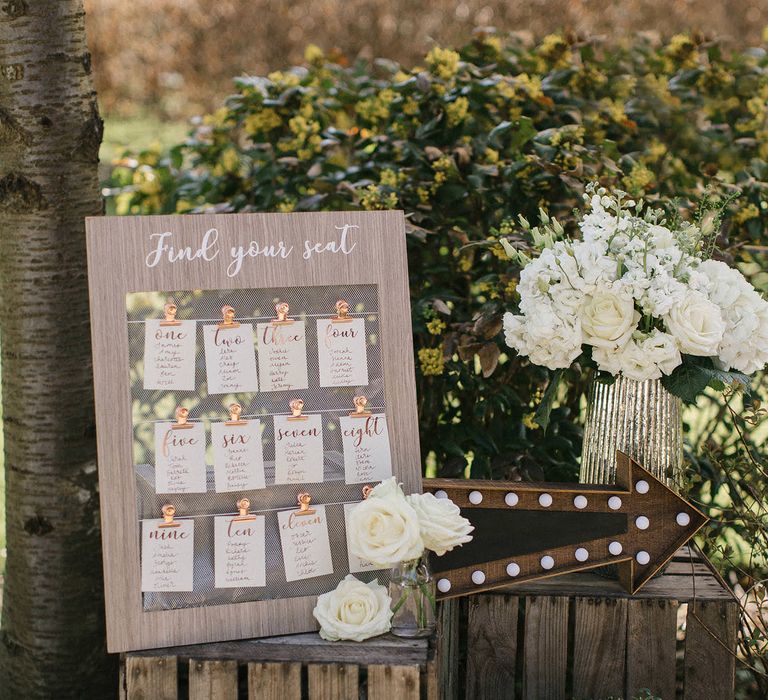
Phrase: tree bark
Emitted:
{"points": [[52, 639]]}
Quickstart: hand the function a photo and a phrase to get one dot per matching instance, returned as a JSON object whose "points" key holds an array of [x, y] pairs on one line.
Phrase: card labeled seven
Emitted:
{"points": [[240, 554], [169, 355], [230, 359], [167, 556], [305, 544], [238, 458], [298, 450], [180, 459], [367, 456], [282, 356]]}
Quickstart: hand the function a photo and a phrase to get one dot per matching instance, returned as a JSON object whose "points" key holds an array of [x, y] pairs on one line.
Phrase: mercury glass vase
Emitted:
{"points": [[641, 419], [412, 590]]}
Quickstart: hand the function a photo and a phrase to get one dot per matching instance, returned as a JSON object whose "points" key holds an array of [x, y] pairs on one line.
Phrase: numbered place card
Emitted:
{"points": [[238, 460], [298, 450], [239, 552], [356, 564], [169, 355], [230, 359], [167, 556], [305, 543], [282, 356], [342, 352], [366, 448], [180, 458]]}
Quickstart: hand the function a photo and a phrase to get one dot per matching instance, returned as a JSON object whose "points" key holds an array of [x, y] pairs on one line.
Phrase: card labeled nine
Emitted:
{"points": [[366, 448], [169, 355], [230, 359], [238, 458], [240, 553], [180, 459], [305, 544], [342, 355], [167, 556]]}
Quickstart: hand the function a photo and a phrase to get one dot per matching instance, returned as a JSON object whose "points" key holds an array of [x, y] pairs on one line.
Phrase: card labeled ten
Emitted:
{"points": [[240, 554]]}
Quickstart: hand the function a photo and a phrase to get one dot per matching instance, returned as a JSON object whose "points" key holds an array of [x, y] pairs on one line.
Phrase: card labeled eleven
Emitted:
{"points": [[305, 543]]}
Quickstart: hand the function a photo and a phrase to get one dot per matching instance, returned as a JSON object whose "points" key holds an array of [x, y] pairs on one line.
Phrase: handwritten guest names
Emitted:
{"points": [[238, 458], [342, 352], [282, 356], [366, 448], [305, 544], [298, 450], [230, 359], [240, 553], [169, 355], [180, 459], [167, 556]]}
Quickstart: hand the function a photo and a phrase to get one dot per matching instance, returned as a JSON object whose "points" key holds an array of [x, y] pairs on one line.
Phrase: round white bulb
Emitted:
{"points": [[580, 502], [511, 499], [683, 519], [475, 497], [547, 562], [642, 557], [441, 494], [478, 577], [614, 503], [443, 585], [642, 486], [581, 554], [545, 500], [615, 548], [642, 522], [513, 569]]}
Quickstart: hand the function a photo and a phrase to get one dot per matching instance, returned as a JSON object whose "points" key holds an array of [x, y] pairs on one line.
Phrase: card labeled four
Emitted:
{"points": [[356, 564], [341, 348], [169, 355], [167, 556], [305, 543], [240, 553], [282, 356], [230, 358], [298, 450], [366, 448], [180, 458], [238, 458]]}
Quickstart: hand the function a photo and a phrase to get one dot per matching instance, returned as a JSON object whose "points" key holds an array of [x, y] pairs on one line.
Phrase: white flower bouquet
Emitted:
{"points": [[637, 296]]}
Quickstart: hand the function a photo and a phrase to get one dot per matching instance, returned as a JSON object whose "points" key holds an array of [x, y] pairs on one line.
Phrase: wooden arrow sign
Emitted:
{"points": [[525, 530]]}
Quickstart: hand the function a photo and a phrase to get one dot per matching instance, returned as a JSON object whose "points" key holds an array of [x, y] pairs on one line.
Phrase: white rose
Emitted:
{"points": [[649, 358], [389, 488], [697, 324], [384, 528], [354, 610], [745, 342], [608, 318], [543, 336], [442, 525]]}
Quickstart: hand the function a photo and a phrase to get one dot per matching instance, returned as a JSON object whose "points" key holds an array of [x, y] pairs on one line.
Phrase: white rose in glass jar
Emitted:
{"points": [[697, 324], [384, 528], [442, 525], [608, 318], [354, 610]]}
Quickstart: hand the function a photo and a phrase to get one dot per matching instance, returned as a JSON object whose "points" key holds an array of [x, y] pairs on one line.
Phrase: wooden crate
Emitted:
{"points": [[284, 668], [580, 636]]}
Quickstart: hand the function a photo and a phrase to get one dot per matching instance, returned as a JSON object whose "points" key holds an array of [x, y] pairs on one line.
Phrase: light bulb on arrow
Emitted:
{"points": [[526, 530]]}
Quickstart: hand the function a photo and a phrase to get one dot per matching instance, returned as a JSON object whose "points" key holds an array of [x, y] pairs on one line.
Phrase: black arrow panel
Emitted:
{"points": [[502, 533]]}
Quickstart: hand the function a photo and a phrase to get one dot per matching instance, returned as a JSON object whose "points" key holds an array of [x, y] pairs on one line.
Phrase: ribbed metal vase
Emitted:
{"points": [[641, 419]]}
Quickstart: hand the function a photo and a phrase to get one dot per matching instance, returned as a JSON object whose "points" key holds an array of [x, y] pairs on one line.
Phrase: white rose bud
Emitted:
{"points": [[697, 324], [442, 525], [354, 610], [608, 319]]}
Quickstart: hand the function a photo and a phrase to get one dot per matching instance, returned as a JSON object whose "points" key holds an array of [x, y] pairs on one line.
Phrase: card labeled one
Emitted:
{"points": [[305, 544], [298, 450], [240, 554], [230, 359], [366, 448], [167, 556], [169, 355], [341, 348], [238, 459], [282, 356], [356, 564], [180, 458]]}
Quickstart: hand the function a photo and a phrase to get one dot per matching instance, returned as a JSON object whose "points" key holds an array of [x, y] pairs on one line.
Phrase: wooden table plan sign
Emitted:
{"points": [[253, 373]]}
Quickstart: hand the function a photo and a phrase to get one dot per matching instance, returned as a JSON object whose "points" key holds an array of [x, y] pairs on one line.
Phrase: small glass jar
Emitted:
{"points": [[412, 590]]}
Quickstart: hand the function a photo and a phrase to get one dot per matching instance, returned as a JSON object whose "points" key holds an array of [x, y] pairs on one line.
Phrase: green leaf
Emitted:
{"points": [[695, 374], [545, 407]]}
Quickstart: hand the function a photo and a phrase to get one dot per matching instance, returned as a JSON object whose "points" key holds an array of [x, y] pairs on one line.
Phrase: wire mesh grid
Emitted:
{"points": [[149, 406]]}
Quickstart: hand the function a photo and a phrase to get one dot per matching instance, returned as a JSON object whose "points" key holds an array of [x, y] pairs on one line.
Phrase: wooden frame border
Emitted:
{"points": [[118, 248]]}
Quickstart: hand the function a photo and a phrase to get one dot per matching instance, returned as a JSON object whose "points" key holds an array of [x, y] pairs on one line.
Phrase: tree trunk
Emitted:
{"points": [[52, 641]]}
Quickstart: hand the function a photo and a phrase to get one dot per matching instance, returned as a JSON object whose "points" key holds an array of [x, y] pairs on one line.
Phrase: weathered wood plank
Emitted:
{"points": [[491, 646], [393, 682], [651, 646], [151, 678], [545, 648], [274, 681], [710, 647], [447, 648], [121, 685], [599, 648], [332, 681], [212, 680]]}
